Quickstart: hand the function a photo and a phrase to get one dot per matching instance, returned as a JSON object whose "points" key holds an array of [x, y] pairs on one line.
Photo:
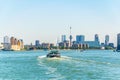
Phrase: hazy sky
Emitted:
{"points": [[47, 20]]}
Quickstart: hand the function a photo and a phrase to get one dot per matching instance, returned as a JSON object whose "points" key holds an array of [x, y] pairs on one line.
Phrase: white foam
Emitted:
{"points": [[42, 56], [54, 58]]}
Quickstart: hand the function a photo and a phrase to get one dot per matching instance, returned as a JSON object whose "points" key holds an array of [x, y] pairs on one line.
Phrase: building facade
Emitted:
{"points": [[16, 44], [106, 40], [64, 45], [80, 38], [37, 43], [6, 43], [118, 42], [96, 38], [63, 38], [6, 39]]}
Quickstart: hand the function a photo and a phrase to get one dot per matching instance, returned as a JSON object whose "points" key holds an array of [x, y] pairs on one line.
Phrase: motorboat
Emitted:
{"points": [[53, 53]]}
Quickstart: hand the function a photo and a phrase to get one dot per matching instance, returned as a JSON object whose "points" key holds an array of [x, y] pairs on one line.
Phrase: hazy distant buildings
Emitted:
{"points": [[118, 42], [63, 38]]}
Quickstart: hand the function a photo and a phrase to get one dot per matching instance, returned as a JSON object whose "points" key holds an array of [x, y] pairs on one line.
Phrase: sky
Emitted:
{"points": [[47, 20]]}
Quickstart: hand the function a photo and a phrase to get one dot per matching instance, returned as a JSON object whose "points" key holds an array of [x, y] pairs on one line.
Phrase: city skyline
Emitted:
{"points": [[31, 20]]}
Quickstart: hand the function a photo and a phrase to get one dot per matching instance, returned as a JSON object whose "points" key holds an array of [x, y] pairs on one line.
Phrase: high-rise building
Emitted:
{"points": [[12, 39], [37, 43], [118, 42], [22, 44], [16, 44], [80, 38], [96, 38], [106, 40], [70, 37], [15, 41], [6, 43], [63, 38], [6, 40]]}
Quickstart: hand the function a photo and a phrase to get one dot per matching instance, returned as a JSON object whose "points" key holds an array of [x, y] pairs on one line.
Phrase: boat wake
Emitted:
{"points": [[54, 58], [50, 66]]}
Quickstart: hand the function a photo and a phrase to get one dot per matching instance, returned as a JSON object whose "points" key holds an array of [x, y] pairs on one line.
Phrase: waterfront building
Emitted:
{"points": [[111, 45], [37, 43], [64, 45], [80, 46], [51, 45], [80, 38], [106, 40], [45, 45], [21, 43], [92, 44], [118, 42], [16, 44], [102, 44], [6, 43], [63, 38], [15, 41], [12, 40], [96, 38], [6, 39], [1, 46]]}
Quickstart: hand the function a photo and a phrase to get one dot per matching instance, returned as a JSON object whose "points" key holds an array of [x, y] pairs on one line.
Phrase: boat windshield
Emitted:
{"points": [[54, 52]]}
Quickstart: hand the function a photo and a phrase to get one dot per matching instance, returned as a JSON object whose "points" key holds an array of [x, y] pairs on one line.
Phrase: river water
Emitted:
{"points": [[74, 65]]}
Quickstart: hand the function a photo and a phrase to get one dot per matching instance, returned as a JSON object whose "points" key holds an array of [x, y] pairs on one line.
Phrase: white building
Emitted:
{"points": [[6, 39], [6, 43]]}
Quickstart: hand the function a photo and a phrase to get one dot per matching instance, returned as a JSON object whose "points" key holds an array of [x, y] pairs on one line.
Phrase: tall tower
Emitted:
{"points": [[37, 43], [6, 40], [12, 40], [70, 37], [118, 42], [96, 38], [63, 38], [106, 40]]}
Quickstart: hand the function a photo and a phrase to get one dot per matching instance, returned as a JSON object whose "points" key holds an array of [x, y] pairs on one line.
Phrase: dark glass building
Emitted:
{"points": [[118, 42], [80, 38], [63, 38], [96, 38], [106, 40], [37, 43]]}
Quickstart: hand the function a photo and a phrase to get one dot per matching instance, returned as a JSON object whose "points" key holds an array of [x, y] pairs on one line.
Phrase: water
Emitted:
{"points": [[74, 65]]}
